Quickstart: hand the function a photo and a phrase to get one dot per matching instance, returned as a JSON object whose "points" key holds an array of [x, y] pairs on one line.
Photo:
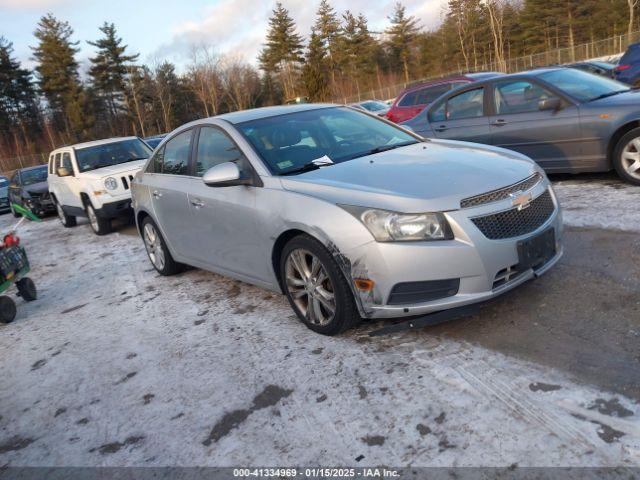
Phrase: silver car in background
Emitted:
{"points": [[348, 215]]}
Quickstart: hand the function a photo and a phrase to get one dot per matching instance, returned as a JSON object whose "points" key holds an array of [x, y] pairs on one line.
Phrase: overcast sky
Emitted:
{"points": [[167, 29]]}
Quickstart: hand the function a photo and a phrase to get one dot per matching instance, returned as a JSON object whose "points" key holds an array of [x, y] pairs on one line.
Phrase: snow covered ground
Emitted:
{"points": [[114, 365]]}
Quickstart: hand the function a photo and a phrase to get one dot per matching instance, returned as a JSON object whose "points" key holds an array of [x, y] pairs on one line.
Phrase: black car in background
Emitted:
{"points": [[4, 194], [155, 140], [28, 188], [604, 69]]}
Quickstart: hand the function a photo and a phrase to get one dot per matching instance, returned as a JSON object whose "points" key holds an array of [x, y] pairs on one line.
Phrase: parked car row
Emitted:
{"points": [[352, 216]]}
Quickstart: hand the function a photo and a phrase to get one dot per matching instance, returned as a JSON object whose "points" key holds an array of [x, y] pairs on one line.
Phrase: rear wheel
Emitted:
{"points": [[27, 289], [99, 225], [316, 288], [626, 157], [157, 249], [66, 220], [7, 309]]}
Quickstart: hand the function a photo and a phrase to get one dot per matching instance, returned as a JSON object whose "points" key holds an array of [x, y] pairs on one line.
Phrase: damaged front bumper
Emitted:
{"points": [[478, 269]]}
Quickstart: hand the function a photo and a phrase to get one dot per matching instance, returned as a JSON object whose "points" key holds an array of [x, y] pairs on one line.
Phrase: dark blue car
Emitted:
{"points": [[566, 120], [628, 69]]}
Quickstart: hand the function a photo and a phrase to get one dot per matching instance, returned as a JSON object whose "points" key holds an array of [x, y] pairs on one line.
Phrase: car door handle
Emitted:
{"points": [[441, 128], [157, 194], [197, 203], [499, 123]]}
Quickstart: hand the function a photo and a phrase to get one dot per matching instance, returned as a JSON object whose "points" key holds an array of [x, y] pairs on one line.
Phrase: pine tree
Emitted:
{"points": [[108, 71], [314, 72], [357, 47], [19, 115], [282, 52], [402, 33], [327, 28], [57, 73]]}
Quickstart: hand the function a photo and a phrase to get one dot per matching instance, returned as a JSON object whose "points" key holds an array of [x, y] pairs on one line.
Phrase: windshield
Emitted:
{"points": [[374, 106], [288, 142], [91, 158], [583, 86], [35, 175]]}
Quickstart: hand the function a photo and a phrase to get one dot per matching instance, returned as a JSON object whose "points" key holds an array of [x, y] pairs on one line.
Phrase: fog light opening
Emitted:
{"points": [[364, 284]]}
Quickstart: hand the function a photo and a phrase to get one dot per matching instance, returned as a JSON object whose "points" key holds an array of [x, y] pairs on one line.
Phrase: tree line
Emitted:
{"points": [[340, 57]]}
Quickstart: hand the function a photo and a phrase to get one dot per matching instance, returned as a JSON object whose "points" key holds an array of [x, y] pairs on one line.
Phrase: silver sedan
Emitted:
{"points": [[346, 214]]}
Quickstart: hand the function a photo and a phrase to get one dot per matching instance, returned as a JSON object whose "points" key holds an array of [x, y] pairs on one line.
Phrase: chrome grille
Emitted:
{"points": [[501, 193], [515, 222]]}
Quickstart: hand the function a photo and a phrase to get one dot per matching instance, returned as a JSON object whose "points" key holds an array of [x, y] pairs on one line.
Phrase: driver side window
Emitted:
{"points": [[214, 148], [519, 97]]}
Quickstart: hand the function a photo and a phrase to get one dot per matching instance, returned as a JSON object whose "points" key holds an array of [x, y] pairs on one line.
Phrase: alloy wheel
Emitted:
{"points": [[93, 218], [61, 215], [631, 158], [310, 287], [154, 246]]}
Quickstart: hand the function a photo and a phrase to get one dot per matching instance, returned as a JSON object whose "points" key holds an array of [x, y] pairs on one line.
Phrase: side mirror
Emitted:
{"points": [[225, 174], [63, 172], [553, 103]]}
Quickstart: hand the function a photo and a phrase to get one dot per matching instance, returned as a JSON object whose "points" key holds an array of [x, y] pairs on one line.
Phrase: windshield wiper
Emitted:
{"points": [[608, 94], [382, 148], [312, 165]]}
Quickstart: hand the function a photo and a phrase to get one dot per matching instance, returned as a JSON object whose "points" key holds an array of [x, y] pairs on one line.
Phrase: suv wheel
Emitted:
{"points": [[626, 157], [316, 288], [157, 250], [100, 225], [66, 220]]}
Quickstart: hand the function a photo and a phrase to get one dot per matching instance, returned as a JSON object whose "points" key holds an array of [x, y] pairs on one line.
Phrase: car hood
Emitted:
{"points": [[37, 188], [632, 97], [430, 176], [114, 169]]}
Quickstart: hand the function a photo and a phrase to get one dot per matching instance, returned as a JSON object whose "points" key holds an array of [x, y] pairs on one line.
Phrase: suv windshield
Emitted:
{"points": [[35, 175], [114, 153], [583, 86], [288, 142]]}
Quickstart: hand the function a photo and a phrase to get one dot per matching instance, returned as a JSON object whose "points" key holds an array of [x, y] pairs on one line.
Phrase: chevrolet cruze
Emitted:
{"points": [[346, 214]]}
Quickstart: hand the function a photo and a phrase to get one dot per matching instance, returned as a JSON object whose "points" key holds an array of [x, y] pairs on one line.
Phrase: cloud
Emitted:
{"points": [[239, 27], [31, 4]]}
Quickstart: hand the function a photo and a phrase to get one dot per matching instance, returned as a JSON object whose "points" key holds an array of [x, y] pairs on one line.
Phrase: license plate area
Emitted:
{"points": [[536, 251]]}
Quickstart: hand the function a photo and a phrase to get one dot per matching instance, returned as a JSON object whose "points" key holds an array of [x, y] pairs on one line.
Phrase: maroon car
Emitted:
{"points": [[413, 99]]}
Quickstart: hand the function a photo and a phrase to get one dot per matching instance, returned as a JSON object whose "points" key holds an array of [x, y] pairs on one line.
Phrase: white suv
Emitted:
{"points": [[93, 179]]}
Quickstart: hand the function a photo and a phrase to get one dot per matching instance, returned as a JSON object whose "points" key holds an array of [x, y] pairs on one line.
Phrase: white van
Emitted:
{"points": [[93, 179]]}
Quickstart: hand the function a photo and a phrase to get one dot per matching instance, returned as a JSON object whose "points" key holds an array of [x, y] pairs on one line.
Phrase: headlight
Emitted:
{"points": [[388, 226], [110, 183]]}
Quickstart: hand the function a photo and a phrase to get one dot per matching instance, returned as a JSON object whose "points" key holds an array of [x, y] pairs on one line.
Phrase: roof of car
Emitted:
{"points": [[26, 169], [95, 143], [265, 112]]}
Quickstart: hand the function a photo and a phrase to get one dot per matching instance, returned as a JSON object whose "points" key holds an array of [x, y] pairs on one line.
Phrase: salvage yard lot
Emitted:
{"points": [[115, 365]]}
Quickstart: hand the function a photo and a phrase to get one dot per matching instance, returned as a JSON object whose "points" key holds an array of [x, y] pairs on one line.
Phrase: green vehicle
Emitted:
{"points": [[14, 266]]}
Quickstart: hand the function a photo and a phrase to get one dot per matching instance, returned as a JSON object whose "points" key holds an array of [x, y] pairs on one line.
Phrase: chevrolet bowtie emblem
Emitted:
{"points": [[520, 200]]}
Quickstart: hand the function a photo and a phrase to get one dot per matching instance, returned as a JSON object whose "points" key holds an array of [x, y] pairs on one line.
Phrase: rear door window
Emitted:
{"points": [[173, 159], [469, 104]]}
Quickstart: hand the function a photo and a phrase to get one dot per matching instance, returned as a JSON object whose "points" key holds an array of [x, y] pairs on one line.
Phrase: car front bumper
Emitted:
{"points": [[472, 258]]}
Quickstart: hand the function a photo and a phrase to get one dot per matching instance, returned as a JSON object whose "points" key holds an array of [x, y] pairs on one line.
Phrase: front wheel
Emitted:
{"points": [[626, 157], [157, 249], [27, 289], [316, 288], [67, 221], [99, 225], [7, 309]]}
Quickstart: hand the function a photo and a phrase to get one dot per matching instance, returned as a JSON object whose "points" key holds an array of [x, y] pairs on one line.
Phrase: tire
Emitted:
{"points": [[13, 212], [157, 250], [67, 221], [7, 309], [318, 288], [27, 289], [99, 225], [626, 157]]}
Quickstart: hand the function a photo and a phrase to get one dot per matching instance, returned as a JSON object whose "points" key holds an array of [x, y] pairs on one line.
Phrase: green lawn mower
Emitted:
{"points": [[14, 266]]}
